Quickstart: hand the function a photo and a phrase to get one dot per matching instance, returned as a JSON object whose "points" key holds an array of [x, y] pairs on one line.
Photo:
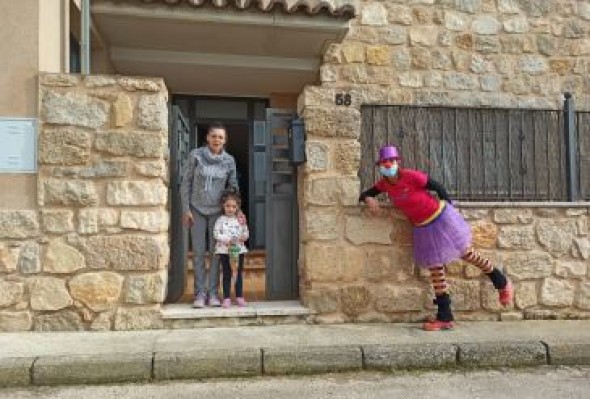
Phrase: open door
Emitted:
{"points": [[179, 141], [282, 220]]}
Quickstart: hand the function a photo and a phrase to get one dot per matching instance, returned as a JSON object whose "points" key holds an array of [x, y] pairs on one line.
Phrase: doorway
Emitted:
{"points": [[250, 134]]}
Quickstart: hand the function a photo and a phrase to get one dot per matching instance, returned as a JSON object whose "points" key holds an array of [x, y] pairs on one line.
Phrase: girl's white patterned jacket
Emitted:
{"points": [[228, 229]]}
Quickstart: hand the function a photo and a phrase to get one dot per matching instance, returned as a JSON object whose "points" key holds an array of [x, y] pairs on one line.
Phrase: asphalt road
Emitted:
{"points": [[547, 383]]}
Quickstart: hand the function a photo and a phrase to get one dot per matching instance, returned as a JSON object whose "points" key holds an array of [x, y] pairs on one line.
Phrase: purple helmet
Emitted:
{"points": [[387, 152]]}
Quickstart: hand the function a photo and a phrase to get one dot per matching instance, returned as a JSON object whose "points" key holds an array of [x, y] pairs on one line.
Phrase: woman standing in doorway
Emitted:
{"points": [[209, 171]]}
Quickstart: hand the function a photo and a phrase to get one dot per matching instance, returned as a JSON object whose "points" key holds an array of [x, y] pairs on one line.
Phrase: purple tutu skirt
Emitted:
{"points": [[442, 241]]}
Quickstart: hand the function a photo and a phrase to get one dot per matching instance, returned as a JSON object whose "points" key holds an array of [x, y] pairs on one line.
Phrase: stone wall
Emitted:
{"points": [[93, 256], [360, 268], [474, 53]]}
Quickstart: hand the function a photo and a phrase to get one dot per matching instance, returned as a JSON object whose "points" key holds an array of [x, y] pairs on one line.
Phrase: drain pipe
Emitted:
{"points": [[85, 36]]}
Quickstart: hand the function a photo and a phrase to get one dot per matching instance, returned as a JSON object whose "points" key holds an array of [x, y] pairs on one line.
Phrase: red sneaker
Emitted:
{"points": [[437, 325], [506, 294]]}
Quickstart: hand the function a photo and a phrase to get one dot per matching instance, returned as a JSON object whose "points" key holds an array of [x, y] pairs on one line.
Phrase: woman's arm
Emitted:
{"points": [[232, 178], [187, 182], [372, 192], [439, 189]]}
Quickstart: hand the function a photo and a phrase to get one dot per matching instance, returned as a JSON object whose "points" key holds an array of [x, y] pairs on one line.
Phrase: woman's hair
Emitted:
{"points": [[216, 125], [231, 194]]}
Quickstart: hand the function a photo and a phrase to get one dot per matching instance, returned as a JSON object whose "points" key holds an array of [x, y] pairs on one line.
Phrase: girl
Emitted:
{"points": [[209, 171], [230, 233], [441, 235]]}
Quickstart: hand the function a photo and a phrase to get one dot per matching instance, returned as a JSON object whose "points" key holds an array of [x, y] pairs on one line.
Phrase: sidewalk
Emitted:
{"points": [[134, 356]]}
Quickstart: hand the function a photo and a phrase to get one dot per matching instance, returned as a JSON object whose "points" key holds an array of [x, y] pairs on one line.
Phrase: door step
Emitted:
{"points": [[183, 315]]}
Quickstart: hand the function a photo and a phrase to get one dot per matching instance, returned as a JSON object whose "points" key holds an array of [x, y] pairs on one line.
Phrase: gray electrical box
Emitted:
{"points": [[297, 142]]}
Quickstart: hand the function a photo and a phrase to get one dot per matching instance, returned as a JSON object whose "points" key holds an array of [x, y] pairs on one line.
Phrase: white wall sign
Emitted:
{"points": [[18, 145]]}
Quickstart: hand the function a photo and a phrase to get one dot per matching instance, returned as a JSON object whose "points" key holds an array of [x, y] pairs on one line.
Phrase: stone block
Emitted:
{"points": [[533, 65], [151, 221], [122, 111], [146, 288], [378, 55], [311, 360], [516, 237], [362, 230], [374, 14], [15, 321], [568, 353], [485, 234], [466, 294], [332, 122], [317, 156], [58, 80], [332, 191], [8, 258], [99, 81], [29, 261], [99, 291], [137, 193], [141, 84], [485, 25], [152, 169], [62, 258], [138, 318], [525, 295], [73, 109], [502, 354], [65, 146], [355, 299], [125, 252], [208, 363], [455, 21], [92, 369], [132, 144], [353, 52], [558, 293], [57, 221], [508, 6], [153, 112], [531, 265], [409, 356], [66, 320], [48, 293], [69, 193], [470, 6], [347, 156], [461, 81], [516, 24], [556, 236], [323, 301], [15, 372], [321, 224], [513, 216], [399, 14], [571, 269], [18, 224], [423, 36], [11, 292], [392, 299]]}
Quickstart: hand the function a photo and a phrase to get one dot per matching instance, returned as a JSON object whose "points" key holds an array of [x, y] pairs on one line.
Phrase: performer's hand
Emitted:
{"points": [[373, 206], [188, 219]]}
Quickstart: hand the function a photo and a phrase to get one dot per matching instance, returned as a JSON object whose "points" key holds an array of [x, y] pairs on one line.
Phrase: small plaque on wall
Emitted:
{"points": [[18, 145]]}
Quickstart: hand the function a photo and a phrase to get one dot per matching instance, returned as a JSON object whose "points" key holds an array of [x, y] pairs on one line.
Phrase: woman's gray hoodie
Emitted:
{"points": [[205, 178]]}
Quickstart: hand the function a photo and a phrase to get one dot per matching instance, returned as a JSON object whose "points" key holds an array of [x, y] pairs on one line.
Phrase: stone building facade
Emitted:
{"points": [[93, 252], [459, 53], [94, 255]]}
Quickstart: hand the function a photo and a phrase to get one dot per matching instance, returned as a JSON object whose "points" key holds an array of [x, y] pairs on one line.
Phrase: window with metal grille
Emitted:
{"points": [[484, 154]]}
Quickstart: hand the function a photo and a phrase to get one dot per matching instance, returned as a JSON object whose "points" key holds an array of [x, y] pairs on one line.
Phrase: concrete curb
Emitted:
{"points": [[502, 354], [413, 356], [568, 353], [245, 362], [92, 369], [208, 364], [311, 360], [16, 371]]}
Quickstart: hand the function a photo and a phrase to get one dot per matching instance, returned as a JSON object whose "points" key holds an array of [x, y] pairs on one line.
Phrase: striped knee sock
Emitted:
{"points": [[438, 281], [473, 257]]}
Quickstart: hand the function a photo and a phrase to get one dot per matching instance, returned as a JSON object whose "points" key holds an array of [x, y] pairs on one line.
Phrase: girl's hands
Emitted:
{"points": [[373, 206], [188, 219]]}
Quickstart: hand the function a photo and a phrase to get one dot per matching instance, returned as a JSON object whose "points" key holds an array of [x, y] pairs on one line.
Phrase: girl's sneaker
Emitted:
{"points": [[241, 302], [226, 303]]}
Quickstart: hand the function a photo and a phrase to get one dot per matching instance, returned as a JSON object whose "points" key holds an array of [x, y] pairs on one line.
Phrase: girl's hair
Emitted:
{"points": [[231, 194]]}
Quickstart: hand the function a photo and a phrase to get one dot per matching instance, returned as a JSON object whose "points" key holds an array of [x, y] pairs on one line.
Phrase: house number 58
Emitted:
{"points": [[343, 99]]}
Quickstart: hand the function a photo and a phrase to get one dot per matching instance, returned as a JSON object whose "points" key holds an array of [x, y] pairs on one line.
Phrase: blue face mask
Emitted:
{"points": [[388, 172]]}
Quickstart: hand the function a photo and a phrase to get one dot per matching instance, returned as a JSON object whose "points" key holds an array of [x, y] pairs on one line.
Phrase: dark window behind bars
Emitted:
{"points": [[480, 154]]}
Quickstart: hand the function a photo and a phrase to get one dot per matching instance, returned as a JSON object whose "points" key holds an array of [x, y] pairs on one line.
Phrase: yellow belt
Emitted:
{"points": [[441, 207]]}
